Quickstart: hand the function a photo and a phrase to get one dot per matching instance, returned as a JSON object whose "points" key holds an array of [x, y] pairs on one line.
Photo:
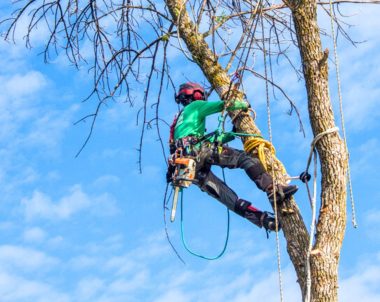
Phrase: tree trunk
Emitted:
{"points": [[331, 149], [332, 153], [293, 226]]}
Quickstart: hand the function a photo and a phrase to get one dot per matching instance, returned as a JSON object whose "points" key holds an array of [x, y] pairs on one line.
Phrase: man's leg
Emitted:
{"points": [[215, 187], [233, 158]]}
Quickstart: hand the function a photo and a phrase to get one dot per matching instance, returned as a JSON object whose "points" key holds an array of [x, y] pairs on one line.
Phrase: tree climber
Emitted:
{"points": [[187, 133]]}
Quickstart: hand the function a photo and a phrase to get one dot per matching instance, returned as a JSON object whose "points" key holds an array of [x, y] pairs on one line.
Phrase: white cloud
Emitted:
{"points": [[40, 205], [16, 289], [25, 259], [83, 261], [34, 235], [106, 180], [89, 288], [125, 286], [142, 275], [20, 85], [18, 101], [237, 277], [363, 285], [174, 295], [373, 217], [366, 162], [56, 241]]}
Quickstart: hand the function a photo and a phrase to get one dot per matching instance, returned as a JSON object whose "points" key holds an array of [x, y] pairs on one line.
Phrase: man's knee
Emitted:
{"points": [[246, 161], [229, 157]]}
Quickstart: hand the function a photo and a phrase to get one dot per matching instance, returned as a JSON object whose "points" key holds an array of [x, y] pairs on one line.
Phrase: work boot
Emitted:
{"points": [[283, 192], [261, 219], [268, 221]]}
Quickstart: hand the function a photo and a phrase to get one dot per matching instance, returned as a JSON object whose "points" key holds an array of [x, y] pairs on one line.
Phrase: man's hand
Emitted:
{"points": [[169, 173], [172, 148], [248, 108]]}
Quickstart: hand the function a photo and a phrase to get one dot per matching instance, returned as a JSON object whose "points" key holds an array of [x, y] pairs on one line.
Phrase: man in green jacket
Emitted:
{"points": [[187, 133]]}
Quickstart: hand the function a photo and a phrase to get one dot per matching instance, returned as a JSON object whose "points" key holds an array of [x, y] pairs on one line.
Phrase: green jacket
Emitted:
{"points": [[192, 120]]}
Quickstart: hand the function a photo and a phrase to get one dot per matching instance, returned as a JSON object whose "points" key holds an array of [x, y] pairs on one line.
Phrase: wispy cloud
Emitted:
{"points": [[41, 205], [34, 235], [363, 285], [14, 288], [25, 259]]}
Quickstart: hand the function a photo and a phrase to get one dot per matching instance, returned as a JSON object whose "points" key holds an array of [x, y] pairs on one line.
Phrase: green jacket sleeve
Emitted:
{"points": [[208, 108], [238, 105]]}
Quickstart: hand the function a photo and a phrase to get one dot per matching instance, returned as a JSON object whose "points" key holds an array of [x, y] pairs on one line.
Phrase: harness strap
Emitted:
{"points": [[172, 127]]}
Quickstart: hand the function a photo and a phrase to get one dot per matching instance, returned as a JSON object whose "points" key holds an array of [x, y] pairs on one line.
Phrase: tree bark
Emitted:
{"points": [[332, 153]]}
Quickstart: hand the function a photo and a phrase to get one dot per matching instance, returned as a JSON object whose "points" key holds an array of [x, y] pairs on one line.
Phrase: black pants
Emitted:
{"points": [[232, 159]]}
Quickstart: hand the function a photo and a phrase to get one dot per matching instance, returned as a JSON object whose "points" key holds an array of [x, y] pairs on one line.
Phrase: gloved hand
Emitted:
{"points": [[172, 148], [248, 108], [169, 173]]}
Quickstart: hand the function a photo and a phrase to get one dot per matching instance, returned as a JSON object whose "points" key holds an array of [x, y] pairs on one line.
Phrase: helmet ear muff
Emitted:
{"points": [[198, 96]]}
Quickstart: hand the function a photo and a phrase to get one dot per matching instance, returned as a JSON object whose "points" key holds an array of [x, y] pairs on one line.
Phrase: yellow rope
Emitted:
{"points": [[260, 145]]}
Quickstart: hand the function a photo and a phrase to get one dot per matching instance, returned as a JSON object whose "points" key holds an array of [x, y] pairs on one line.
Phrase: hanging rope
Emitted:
{"points": [[336, 58], [195, 253], [313, 198], [261, 145]]}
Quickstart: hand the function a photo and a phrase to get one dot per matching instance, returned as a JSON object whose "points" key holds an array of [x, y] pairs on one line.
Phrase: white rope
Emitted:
{"points": [[313, 153], [274, 185], [277, 243], [336, 58]]}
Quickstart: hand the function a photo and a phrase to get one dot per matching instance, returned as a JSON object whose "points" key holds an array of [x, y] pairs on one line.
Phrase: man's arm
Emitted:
{"points": [[208, 108]]}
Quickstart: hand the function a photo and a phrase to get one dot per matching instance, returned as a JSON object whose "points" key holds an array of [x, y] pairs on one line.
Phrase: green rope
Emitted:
{"points": [[244, 134], [195, 253], [184, 240]]}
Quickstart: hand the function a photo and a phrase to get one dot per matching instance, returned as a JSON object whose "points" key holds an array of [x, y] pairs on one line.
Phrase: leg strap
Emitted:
{"points": [[241, 206]]}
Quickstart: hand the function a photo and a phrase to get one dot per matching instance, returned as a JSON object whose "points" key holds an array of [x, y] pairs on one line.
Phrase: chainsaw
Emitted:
{"points": [[183, 177]]}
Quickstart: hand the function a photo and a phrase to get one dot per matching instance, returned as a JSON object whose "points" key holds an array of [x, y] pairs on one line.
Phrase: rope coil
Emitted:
{"points": [[260, 144]]}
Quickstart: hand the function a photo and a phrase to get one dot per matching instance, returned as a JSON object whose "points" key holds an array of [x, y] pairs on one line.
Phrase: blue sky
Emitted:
{"points": [[91, 228]]}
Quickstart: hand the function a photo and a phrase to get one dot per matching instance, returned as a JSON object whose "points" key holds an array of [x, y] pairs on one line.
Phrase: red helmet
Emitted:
{"points": [[189, 92]]}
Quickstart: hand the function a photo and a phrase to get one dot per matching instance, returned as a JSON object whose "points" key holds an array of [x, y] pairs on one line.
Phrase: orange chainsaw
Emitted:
{"points": [[183, 177]]}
